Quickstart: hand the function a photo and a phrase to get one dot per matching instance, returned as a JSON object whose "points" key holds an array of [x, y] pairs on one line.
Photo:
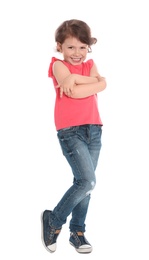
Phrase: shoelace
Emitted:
{"points": [[53, 232]]}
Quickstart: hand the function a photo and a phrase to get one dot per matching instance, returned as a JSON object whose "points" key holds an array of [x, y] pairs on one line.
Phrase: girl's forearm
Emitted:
{"points": [[86, 90], [81, 79]]}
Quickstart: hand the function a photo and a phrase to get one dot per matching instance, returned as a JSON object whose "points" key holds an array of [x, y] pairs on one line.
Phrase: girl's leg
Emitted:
{"points": [[79, 213], [75, 143]]}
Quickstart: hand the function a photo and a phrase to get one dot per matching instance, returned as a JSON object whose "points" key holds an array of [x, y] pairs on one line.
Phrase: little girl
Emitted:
{"points": [[79, 129]]}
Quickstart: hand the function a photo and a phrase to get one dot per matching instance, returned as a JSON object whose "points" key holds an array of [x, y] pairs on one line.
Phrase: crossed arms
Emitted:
{"points": [[78, 86]]}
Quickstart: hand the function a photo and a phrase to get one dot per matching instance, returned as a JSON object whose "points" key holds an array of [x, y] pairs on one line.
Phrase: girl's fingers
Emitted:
{"points": [[61, 92]]}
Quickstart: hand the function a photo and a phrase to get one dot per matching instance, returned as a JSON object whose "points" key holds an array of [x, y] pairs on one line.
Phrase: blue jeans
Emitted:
{"points": [[81, 146]]}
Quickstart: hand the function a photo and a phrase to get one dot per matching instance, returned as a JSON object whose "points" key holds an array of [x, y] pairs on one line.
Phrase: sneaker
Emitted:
{"points": [[80, 243], [49, 234]]}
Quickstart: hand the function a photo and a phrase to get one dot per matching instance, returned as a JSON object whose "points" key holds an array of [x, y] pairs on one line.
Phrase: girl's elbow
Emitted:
{"points": [[104, 84]]}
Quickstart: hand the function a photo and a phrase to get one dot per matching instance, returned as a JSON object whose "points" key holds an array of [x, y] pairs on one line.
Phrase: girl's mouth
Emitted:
{"points": [[76, 60]]}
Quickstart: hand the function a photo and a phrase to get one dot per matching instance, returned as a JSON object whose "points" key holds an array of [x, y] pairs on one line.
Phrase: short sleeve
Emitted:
{"points": [[90, 63], [50, 72]]}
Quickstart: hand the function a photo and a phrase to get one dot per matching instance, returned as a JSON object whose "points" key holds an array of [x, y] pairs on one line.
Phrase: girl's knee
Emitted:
{"points": [[88, 186], [91, 187]]}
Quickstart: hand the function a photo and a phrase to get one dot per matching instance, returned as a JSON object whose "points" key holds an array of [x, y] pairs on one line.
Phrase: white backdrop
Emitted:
{"points": [[33, 172]]}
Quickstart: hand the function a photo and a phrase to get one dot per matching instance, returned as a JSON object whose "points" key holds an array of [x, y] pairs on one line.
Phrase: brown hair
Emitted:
{"points": [[75, 28]]}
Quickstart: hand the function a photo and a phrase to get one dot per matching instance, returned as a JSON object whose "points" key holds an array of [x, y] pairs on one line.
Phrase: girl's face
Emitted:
{"points": [[74, 51]]}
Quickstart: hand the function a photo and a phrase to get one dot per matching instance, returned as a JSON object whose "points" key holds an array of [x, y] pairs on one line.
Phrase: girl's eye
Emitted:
{"points": [[81, 48]]}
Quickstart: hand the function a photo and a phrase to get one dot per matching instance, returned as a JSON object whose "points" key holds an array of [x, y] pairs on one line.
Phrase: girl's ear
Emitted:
{"points": [[59, 47]]}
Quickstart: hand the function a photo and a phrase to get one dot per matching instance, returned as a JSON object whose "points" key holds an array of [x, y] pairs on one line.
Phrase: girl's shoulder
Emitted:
{"points": [[85, 66], [54, 59], [89, 63]]}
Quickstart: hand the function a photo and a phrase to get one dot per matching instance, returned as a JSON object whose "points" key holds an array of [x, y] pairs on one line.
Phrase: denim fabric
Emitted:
{"points": [[81, 146]]}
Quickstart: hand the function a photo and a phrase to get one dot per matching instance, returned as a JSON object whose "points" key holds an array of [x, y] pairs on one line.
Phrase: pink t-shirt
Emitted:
{"points": [[70, 111]]}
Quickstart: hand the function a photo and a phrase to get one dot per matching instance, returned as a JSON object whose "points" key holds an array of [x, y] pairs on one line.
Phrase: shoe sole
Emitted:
{"points": [[82, 250], [42, 235]]}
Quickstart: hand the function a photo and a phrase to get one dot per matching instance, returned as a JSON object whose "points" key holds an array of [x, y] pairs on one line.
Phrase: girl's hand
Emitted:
{"points": [[66, 86]]}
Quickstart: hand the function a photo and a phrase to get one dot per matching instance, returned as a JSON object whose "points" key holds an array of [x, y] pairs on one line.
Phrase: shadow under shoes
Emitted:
{"points": [[49, 234], [80, 243]]}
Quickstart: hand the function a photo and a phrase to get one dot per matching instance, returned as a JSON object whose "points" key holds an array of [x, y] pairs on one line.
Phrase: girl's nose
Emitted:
{"points": [[77, 51]]}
